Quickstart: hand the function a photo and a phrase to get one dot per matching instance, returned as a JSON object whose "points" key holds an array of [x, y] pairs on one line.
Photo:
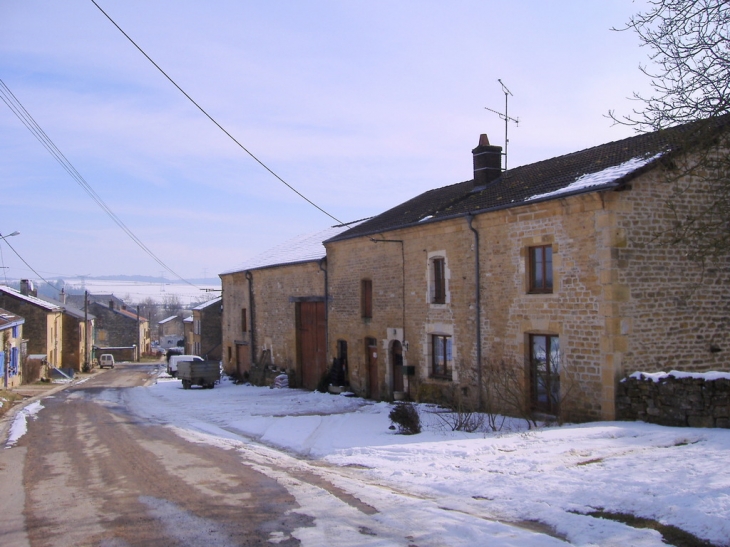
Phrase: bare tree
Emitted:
{"points": [[689, 43]]}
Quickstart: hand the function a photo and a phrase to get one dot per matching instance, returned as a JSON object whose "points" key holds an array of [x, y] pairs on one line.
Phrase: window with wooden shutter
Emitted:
{"points": [[366, 298]]}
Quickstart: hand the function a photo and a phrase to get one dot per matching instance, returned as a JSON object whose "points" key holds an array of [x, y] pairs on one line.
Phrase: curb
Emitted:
{"points": [[9, 417]]}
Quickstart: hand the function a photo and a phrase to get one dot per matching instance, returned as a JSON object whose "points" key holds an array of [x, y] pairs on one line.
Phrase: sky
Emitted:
{"points": [[358, 105], [510, 488]]}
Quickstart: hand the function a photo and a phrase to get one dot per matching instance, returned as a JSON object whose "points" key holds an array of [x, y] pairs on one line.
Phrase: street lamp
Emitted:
{"points": [[15, 233]]}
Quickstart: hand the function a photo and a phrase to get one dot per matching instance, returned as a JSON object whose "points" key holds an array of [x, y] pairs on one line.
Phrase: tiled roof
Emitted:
{"points": [[68, 308], [603, 167], [30, 299], [303, 248]]}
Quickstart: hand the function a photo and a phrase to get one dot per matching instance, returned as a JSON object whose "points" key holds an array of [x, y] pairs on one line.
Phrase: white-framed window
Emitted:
{"points": [[437, 279]]}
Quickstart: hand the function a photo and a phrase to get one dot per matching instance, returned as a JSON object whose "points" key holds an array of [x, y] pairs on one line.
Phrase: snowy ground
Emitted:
{"points": [[449, 488]]}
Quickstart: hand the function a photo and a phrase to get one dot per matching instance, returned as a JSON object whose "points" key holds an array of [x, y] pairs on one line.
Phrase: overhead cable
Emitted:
{"points": [[261, 163], [19, 110], [24, 262]]}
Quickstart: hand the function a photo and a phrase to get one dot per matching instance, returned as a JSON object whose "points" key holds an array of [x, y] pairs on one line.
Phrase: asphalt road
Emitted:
{"points": [[92, 474]]}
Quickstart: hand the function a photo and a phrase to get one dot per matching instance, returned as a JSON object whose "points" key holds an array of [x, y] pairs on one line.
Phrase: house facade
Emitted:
{"points": [[206, 331], [536, 289], [78, 334], [43, 327], [120, 331], [274, 316], [12, 349]]}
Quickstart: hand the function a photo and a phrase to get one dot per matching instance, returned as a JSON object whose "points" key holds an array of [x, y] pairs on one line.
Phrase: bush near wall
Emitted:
{"points": [[676, 399]]}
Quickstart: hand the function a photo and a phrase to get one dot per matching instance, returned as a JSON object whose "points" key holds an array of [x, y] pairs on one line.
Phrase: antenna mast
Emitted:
{"points": [[505, 117]]}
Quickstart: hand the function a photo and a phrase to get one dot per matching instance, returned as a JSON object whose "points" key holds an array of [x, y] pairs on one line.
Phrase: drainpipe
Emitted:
{"points": [[252, 327], [323, 262], [478, 296]]}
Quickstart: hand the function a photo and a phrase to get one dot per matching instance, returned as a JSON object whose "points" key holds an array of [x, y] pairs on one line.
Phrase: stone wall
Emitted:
{"points": [[276, 290], [675, 401]]}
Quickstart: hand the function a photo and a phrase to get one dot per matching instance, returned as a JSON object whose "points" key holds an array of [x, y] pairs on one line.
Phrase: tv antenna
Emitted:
{"points": [[505, 117]]}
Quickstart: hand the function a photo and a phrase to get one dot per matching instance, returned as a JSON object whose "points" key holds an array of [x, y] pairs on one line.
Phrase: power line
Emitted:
{"points": [[19, 110], [24, 262], [261, 163]]}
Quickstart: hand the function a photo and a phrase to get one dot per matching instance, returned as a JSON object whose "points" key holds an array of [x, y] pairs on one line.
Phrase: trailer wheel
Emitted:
{"points": [[186, 384]]}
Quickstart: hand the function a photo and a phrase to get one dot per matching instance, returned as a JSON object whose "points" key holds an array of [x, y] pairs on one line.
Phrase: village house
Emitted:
{"points": [[119, 331], [78, 333], [274, 313], [206, 335], [43, 327], [12, 349], [536, 288], [171, 331]]}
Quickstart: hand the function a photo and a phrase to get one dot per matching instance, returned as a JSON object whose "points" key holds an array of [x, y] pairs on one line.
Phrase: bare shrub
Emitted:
{"points": [[406, 417]]}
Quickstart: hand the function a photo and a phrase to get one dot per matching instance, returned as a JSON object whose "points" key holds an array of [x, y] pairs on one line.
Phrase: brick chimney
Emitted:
{"points": [[111, 304], [487, 162], [27, 288]]}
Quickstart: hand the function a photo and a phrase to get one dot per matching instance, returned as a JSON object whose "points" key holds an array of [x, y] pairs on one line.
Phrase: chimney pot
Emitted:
{"points": [[111, 304]]}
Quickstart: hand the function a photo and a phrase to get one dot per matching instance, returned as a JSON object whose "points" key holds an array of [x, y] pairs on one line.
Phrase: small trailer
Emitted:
{"points": [[198, 373]]}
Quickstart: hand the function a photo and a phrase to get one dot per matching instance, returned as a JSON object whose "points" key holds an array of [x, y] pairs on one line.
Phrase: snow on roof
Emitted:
{"points": [[30, 299], [208, 303], [167, 319], [657, 376], [303, 248], [599, 178]]}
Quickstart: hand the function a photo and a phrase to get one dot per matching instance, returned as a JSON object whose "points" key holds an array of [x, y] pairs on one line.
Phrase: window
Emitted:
{"points": [[545, 372], [441, 356], [196, 326], [438, 281], [244, 322], [366, 298], [541, 269]]}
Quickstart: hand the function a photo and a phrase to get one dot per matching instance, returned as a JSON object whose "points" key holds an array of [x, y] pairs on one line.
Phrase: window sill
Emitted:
{"points": [[447, 377]]}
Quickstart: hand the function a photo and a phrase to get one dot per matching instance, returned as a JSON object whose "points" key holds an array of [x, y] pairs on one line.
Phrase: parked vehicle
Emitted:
{"points": [[198, 373], [174, 360], [106, 360]]}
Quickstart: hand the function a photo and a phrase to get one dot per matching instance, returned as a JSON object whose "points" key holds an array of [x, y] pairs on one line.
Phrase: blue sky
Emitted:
{"points": [[359, 105]]}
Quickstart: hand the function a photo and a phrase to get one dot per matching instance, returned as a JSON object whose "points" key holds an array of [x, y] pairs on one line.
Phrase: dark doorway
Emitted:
{"points": [[311, 340], [396, 359]]}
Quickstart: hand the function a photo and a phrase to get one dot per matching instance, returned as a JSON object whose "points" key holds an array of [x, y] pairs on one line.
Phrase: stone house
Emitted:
{"points": [[43, 327], [171, 331], [274, 314], [206, 333], [545, 280], [119, 331], [78, 334], [12, 349]]}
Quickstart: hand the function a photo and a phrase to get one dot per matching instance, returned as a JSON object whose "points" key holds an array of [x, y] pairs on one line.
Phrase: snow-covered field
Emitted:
{"points": [[453, 488]]}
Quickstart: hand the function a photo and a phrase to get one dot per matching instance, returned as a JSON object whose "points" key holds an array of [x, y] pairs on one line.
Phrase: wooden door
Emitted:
{"points": [[373, 391], [311, 340], [243, 359]]}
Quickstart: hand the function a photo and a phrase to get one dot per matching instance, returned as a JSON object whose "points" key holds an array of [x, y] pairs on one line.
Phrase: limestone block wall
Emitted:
{"points": [[276, 289], [677, 314], [675, 401], [348, 263], [235, 298], [275, 292], [576, 311]]}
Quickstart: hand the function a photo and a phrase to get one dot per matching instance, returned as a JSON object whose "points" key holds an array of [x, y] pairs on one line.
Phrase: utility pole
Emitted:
{"points": [[87, 368]]}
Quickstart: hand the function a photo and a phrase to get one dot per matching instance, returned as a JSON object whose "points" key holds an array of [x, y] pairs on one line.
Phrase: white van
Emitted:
{"points": [[175, 359], [106, 360]]}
